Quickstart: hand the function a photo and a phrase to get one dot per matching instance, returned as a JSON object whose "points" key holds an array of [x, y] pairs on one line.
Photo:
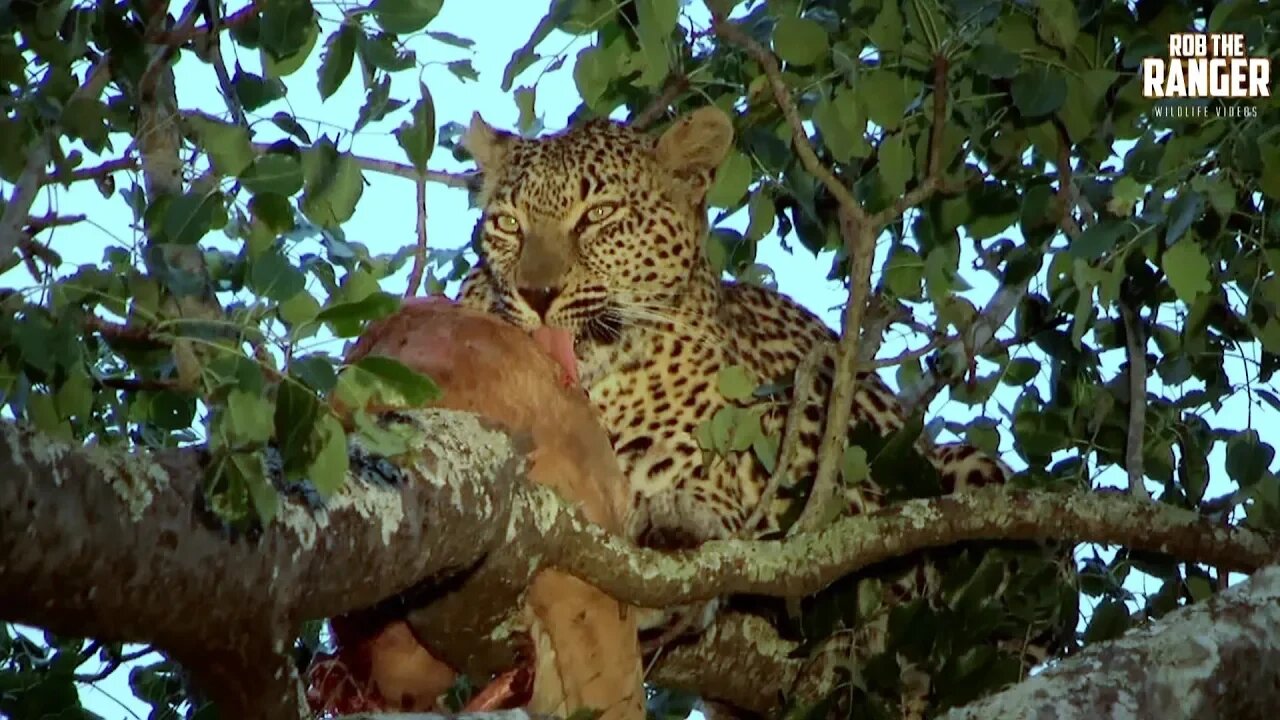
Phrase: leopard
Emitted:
{"points": [[601, 230]]}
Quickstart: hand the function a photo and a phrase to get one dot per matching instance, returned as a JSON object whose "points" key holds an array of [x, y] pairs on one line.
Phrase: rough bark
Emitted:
{"points": [[1215, 659], [88, 534]]}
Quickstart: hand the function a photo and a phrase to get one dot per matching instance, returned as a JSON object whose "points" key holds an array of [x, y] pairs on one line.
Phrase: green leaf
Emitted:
{"points": [[885, 31], [1096, 240], [800, 41], [189, 216], [1124, 194], [250, 418], [287, 123], [1021, 371], [283, 27], [903, 272], [854, 467], [254, 91], [765, 448], [1058, 23], [249, 470], [735, 383], [405, 16], [463, 70], [451, 39], [272, 210], [732, 180], [1110, 620], [592, 73], [296, 411], [273, 276], [656, 20], [75, 396], [373, 306], [1188, 270], [298, 310], [335, 64], [994, 61], [418, 138], [890, 98], [229, 148], [285, 66], [1183, 211], [1248, 458], [760, 210], [526, 98], [315, 371], [328, 470], [377, 103], [334, 184], [1038, 91], [413, 388], [275, 172], [897, 164]]}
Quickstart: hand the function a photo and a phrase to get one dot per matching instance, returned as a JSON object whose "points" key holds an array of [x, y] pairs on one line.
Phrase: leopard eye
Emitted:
{"points": [[600, 212], [507, 223]]}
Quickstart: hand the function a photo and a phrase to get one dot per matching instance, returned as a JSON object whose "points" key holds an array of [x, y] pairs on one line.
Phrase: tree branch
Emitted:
{"points": [[861, 237], [806, 563], [420, 254], [398, 523], [675, 86], [1214, 659], [385, 530], [789, 445], [1135, 342], [18, 207], [782, 95]]}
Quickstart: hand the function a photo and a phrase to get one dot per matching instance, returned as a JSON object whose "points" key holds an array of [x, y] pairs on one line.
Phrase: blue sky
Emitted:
{"points": [[385, 217]]}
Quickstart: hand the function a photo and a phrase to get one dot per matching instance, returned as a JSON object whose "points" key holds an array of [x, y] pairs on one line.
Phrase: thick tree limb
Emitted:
{"points": [[88, 533], [806, 563], [1215, 659]]}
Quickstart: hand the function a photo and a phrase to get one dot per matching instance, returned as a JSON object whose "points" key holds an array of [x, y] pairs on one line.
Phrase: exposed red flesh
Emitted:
{"points": [[508, 690], [558, 343]]}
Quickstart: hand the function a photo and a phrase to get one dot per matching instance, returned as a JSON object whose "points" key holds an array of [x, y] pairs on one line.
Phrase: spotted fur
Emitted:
{"points": [[600, 230]]}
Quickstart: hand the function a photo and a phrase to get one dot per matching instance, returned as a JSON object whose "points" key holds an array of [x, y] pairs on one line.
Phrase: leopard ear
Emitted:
{"points": [[697, 142], [488, 146]]}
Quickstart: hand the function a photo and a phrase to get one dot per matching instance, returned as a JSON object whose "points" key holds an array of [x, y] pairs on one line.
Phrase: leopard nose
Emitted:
{"points": [[539, 299]]}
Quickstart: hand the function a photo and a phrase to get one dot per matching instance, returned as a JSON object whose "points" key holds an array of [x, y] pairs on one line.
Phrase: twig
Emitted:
{"points": [[96, 172], [31, 249], [782, 95], [933, 176], [24, 194], [803, 379], [1135, 342], [844, 384], [420, 254], [220, 67], [18, 207], [881, 313], [674, 87], [466, 180], [920, 352], [181, 36], [860, 236], [137, 384]]}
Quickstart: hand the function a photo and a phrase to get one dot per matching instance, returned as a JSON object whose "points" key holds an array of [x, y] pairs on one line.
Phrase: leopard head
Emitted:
{"points": [[598, 228]]}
